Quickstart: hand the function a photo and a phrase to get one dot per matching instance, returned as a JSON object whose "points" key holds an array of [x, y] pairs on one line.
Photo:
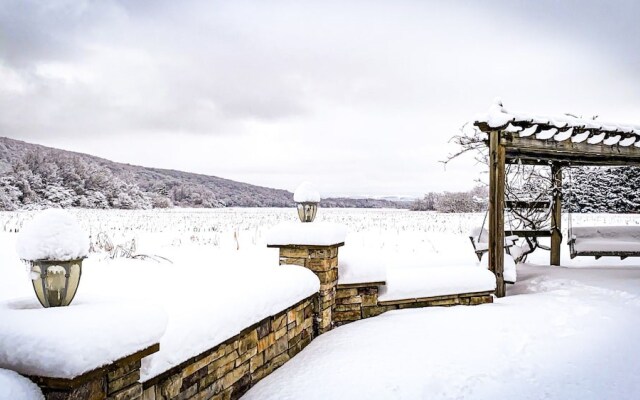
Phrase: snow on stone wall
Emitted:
{"points": [[311, 234]]}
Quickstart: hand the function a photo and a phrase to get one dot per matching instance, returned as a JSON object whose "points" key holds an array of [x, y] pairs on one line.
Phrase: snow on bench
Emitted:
{"points": [[607, 239], [480, 239]]}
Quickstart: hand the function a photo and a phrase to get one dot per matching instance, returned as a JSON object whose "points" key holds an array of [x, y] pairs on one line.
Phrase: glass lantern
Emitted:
{"points": [[307, 211], [56, 282]]}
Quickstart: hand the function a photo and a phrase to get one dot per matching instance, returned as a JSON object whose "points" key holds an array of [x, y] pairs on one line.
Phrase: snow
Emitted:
{"points": [[596, 138], [546, 134], [612, 140], [311, 234], [528, 131], [216, 252], [306, 193], [13, 386], [510, 273], [215, 303], [64, 342], [203, 297], [562, 136], [498, 116], [411, 283], [580, 137], [52, 235], [559, 334], [626, 142], [607, 238], [481, 236], [361, 265]]}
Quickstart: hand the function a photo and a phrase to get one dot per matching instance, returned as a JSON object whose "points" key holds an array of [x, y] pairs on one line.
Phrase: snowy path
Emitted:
{"points": [[561, 334]]}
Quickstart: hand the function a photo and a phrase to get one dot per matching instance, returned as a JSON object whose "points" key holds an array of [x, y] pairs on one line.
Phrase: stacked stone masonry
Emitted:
{"points": [[355, 302], [117, 381], [323, 261], [228, 370]]}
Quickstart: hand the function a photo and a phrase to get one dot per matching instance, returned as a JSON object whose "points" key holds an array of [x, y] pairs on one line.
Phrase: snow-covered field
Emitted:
{"points": [[562, 332]]}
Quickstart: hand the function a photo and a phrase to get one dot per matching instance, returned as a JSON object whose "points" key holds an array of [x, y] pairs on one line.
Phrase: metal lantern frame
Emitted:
{"points": [[307, 211], [46, 295]]}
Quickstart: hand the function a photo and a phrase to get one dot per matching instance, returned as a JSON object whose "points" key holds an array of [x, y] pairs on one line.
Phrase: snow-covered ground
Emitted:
{"points": [[561, 330], [559, 334]]}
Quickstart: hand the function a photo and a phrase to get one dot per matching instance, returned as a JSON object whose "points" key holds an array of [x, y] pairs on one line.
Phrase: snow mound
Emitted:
{"points": [[16, 387], [52, 235], [361, 265], [310, 234], [411, 283], [220, 304], [64, 342], [509, 274], [306, 193]]}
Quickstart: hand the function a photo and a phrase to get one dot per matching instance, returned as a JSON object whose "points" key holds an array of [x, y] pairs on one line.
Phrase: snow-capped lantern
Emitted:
{"points": [[54, 245], [307, 198]]}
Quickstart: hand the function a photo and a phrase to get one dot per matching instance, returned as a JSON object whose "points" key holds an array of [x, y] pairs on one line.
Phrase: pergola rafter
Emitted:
{"points": [[554, 141]]}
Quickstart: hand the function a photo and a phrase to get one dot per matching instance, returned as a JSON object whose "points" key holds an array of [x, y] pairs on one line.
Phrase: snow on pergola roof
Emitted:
{"points": [[557, 128]]}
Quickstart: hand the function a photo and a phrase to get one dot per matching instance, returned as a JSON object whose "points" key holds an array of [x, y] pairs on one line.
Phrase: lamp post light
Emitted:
{"points": [[307, 199], [307, 211], [55, 282], [54, 245]]}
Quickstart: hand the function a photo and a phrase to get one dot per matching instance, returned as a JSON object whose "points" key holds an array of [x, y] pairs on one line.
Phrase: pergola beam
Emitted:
{"points": [[569, 152]]}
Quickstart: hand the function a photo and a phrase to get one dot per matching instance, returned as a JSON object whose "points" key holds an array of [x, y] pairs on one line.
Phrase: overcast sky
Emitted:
{"points": [[360, 97]]}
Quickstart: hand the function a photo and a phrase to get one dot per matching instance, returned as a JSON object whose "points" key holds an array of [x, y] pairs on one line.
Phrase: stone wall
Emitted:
{"points": [[228, 370], [117, 381], [355, 302], [323, 261]]}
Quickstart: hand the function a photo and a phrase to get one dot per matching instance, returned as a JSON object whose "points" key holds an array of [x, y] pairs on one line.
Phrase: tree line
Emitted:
{"points": [[585, 190]]}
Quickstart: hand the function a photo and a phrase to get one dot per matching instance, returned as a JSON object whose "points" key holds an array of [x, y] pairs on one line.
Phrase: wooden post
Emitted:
{"points": [[556, 214], [496, 210]]}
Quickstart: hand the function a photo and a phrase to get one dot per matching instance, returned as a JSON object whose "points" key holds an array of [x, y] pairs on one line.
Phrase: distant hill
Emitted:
{"points": [[35, 176]]}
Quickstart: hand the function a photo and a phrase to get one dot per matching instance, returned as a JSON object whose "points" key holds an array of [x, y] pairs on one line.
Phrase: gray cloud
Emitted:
{"points": [[363, 96]]}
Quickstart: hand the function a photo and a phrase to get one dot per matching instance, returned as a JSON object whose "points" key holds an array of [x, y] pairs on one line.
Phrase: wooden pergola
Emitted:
{"points": [[554, 141]]}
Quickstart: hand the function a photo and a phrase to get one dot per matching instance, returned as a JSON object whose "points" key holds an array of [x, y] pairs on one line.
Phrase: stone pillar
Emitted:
{"points": [[323, 261], [118, 381]]}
